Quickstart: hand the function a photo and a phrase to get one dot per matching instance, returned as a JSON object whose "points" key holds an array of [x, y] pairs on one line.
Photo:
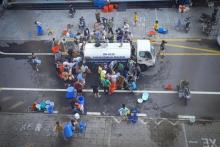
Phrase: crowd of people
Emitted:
{"points": [[117, 75], [112, 75]]}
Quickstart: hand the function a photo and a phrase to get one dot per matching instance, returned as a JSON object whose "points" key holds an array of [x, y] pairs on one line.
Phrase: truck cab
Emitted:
{"points": [[145, 54]]}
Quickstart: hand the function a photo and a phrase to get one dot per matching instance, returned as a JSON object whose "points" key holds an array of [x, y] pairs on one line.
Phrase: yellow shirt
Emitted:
{"points": [[135, 18], [156, 26], [58, 128]]}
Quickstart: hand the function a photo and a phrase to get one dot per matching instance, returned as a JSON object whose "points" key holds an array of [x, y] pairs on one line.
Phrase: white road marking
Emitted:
{"points": [[16, 105], [116, 120], [173, 123], [38, 127], [184, 132], [93, 113], [192, 142], [26, 54], [142, 114], [142, 121], [117, 91], [158, 123]]}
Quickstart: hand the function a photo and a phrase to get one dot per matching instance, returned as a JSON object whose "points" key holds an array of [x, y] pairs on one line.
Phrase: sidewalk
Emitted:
{"points": [[36, 130], [19, 24]]}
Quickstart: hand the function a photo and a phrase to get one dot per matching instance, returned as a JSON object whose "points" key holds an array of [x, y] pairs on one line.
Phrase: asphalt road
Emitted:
{"points": [[201, 71]]}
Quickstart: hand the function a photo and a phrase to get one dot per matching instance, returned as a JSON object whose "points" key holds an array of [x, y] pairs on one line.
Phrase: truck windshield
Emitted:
{"points": [[145, 54]]}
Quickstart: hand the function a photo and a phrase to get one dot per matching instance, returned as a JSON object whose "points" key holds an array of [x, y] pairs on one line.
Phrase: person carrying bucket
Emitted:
{"points": [[35, 61]]}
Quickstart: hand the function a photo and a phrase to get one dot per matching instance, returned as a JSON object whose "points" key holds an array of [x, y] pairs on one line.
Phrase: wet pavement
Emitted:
{"points": [[201, 71], [36, 129]]}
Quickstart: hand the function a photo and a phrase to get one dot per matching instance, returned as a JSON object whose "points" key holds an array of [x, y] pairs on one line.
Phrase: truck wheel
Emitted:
{"points": [[143, 67]]}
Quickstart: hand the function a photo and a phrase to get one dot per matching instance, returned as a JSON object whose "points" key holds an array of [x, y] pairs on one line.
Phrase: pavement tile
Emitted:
{"points": [[153, 134], [25, 29]]}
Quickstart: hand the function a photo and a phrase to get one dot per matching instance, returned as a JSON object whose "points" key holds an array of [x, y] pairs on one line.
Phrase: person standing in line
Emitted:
{"points": [[106, 84], [95, 90], [136, 18]]}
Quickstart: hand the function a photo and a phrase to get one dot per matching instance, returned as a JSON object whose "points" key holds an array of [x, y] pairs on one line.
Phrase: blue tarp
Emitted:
{"points": [[99, 3]]}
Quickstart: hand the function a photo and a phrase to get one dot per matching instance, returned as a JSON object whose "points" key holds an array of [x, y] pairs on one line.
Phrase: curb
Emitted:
{"points": [[112, 116]]}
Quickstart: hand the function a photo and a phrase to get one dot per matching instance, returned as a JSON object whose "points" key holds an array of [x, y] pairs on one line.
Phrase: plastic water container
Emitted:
{"points": [[162, 31], [39, 30], [82, 126], [134, 85], [81, 100], [50, 109], [70, 92], [68, 132], [145, 96]]}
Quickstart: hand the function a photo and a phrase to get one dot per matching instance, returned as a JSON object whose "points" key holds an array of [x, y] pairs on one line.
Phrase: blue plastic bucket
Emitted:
{"points": [[68, 132], [39, 30], [81, 100]]}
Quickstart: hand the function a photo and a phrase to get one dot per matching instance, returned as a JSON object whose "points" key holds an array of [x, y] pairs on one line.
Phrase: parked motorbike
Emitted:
{"points": [[184, 91]]}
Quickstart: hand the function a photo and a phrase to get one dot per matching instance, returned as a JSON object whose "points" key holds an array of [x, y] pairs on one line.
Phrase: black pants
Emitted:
{"points": [[106, 90], [110, 30]]}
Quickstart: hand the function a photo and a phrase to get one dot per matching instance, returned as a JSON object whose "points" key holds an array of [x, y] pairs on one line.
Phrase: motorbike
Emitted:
{"points": [[184, 91]]}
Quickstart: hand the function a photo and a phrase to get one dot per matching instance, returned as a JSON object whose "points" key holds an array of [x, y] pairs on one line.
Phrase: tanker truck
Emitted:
{"points": [[145, 53]]}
